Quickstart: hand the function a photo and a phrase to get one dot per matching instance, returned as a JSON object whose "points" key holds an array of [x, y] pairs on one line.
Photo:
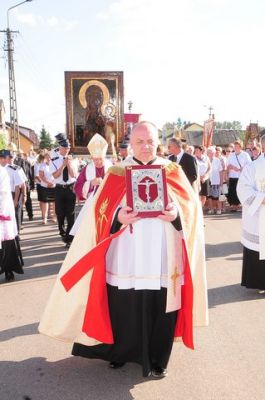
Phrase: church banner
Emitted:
{"points": [[208, 131]]}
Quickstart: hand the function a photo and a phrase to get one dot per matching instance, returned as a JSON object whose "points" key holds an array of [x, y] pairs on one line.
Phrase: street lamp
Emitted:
{"points": [[16, 5]]}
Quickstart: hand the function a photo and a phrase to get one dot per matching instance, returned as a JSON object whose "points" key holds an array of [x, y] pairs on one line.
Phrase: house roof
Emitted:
{"points": [[187, 126], [23, 134], [221, 137]]}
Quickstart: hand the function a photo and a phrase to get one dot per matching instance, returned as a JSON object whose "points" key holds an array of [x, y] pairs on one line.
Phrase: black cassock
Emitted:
{"points": [[143, 332], [253, 272], [10, 257]]}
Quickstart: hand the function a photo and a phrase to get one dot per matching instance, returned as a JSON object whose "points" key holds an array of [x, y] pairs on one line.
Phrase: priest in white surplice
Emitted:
{"points": [[130, 285], [251, 192], [10, 254]]}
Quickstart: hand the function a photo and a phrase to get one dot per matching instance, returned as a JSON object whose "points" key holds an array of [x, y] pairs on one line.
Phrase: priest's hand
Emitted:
{"points": [[126, 216], [263, 202], [96, 181], [170, 213]]}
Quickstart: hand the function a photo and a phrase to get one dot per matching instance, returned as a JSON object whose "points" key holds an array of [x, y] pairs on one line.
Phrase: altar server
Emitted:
{"points": [[10, 254], [251, 193]]}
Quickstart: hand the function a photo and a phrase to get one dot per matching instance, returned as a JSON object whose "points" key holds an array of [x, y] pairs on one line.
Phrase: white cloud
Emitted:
{"points": [[69, 25], [102, 16], [181, 55], [34, 20], [26, 18], [177, 55], [53, 21]]}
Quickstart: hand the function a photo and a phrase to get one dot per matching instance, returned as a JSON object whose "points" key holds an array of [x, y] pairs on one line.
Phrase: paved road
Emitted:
{"points": [[228, 363]]}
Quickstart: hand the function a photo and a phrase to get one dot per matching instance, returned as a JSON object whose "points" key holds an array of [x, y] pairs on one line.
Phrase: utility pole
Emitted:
{"points": [[14, 137], [9, 48]]}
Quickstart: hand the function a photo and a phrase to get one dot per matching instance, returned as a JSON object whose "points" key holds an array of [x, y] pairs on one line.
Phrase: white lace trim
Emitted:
{"points": [[250, 237]]}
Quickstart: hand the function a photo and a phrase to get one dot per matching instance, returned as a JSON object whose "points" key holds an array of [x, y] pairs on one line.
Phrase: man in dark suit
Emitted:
{"points": [[185, 160], [23, 163]]}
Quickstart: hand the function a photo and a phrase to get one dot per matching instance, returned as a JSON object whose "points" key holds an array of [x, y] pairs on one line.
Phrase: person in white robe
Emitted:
{"points": [[10, 254], [91, 176], [143, 275], [251, 192]]}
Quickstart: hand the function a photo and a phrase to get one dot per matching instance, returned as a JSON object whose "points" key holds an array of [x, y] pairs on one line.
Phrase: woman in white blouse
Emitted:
{"points": [[47, 192], [204, 169]]}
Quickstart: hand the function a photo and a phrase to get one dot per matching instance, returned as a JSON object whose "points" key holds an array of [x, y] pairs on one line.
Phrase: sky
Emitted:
{"points": [[178, 56]]}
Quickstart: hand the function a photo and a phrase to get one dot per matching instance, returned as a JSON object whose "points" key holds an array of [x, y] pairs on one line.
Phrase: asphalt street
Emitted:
{"points": [[227, 364]]}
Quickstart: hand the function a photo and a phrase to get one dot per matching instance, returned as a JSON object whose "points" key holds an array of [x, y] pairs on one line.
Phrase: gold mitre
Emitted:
{"points": [[97, 146]]}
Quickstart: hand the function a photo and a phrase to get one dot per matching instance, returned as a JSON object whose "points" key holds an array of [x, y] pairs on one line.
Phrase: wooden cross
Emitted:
{"points": [[174, 278], [210, 111]]}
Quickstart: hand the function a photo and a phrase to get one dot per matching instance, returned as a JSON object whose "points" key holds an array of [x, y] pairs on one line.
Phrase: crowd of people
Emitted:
{"points": [[140, 259], [61, 180], [213, 171]]}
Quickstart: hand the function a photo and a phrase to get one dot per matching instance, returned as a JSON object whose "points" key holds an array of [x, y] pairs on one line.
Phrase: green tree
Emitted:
{"points": [[2, 141], [179, 123], [169, 125], [45, 139], [236, 125]]}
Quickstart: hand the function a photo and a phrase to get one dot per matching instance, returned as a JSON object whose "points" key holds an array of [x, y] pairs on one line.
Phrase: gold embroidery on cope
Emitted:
{"points": [[174, 278], [262, 184], [102, 214], [171, 167]]}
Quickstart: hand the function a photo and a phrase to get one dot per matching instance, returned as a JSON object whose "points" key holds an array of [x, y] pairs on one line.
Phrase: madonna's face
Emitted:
{"points": [[94, 97]]}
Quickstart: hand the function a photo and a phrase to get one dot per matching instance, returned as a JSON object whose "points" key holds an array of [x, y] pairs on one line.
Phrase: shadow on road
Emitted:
{"points": [[68, 379], [47, 238], [40, 271], [224, 216], [38, 259], [222, 249], [231, 294], [25, 330], [42, 249], [48, 249]]}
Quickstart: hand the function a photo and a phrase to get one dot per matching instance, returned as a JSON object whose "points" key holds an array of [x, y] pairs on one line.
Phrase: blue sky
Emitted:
{"points": [[177, 56]]}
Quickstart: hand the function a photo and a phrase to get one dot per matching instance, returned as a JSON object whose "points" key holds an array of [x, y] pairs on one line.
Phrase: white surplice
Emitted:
{"points": [[138, 258], [8, 228], [90, 175], [251, 192]]}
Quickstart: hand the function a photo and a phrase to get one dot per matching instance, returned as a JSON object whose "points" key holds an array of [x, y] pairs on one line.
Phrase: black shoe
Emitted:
{"points": [[116, 365], [31, 218], [158, 372], [67, 245], [63, 234], [9, 276]]}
